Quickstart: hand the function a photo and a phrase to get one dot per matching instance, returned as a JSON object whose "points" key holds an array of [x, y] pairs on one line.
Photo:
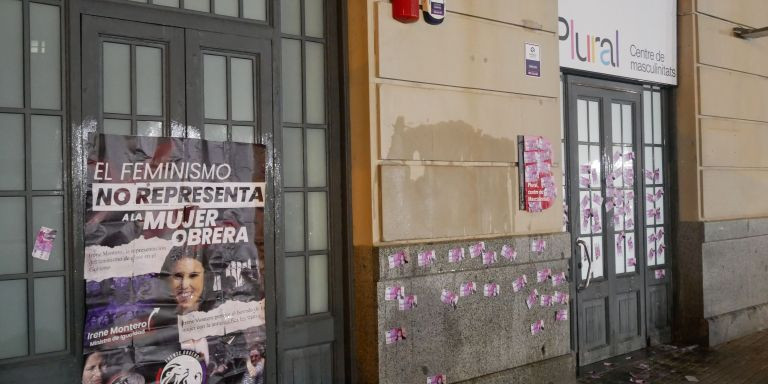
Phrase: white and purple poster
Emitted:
{"points": [[174, 261]]}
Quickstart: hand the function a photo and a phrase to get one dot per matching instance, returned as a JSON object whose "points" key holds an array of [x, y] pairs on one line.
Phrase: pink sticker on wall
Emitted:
{"points": [[426, 258], [547, 301], [408, 302], [437, 379], [543, 274], [490, 257], [538, 245], [491, 290], [660, 274], [519, 283], [558, 279], [532, 298], [393, 292], [476, 250], [455, 255], [397, 259], [537, 327], [561, 315], [448, 297], [632, 262], [508, 252], [395, 335], [467, 289], [561, 297]]}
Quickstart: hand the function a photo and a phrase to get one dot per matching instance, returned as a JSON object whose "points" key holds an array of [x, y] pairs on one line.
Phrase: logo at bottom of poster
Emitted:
{"points": [[183, 367]]}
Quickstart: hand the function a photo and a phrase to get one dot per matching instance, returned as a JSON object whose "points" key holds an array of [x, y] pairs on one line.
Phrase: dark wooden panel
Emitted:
{"points": [[627, 307], [595, 323], [308, 365], [657, 306]]}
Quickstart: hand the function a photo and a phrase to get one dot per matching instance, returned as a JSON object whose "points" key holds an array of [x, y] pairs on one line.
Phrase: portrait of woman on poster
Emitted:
{"points": [[188, 280]]}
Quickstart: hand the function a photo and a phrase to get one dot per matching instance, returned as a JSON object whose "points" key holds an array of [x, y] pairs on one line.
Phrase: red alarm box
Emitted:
{"points": [[405, 11]]}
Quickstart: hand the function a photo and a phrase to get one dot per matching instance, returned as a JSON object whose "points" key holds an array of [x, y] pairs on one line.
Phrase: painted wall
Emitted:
{"points": [[722, 169], [435, 112]]}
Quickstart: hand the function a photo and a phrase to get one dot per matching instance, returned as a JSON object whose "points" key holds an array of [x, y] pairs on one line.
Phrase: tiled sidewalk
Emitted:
{"points": [[739, 362]]}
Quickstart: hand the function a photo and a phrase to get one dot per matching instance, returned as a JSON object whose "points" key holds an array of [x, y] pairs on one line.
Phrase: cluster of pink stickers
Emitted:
{"points": [[537, 327], [467, 289], [395, 335], [426, 258], [408, 302], [397, 259], [491, 290], [539, 187], [508, 252], [437, 379], [455, 255]]}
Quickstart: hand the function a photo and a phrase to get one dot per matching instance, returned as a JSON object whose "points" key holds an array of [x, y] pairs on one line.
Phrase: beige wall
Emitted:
{"points": [[436, 111], [722, 112]]}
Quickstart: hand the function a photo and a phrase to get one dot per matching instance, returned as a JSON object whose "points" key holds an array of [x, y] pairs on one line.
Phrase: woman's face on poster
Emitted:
{"points": [[93, 372], [187, 284]]}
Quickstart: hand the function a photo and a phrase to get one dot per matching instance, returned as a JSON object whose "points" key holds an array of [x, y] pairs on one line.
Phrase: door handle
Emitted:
{"points": [[583, 248]]}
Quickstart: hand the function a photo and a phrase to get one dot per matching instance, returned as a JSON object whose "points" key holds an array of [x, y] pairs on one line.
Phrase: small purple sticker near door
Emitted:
{"points": [[508, 252], [660, 274], [426, 258], [519, 283], [455, 255], [476, 250], [543, 274], [467, 289], [408, 302], [532, 298], [44, 243], [393, 293], [448, 297], [490, 257], [558, 279], [631, 262], [437, 379], [395, 335], [561, 315], [397, 259], [491, 290], [546, 301], [538, 245], [537, 327]]}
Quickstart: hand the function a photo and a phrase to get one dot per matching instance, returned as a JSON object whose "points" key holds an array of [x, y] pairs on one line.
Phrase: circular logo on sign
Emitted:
{"points": [[183, 367]]}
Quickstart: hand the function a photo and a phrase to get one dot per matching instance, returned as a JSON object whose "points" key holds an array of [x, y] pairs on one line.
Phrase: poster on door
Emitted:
{"points": [[174, 261], [537, 182]]}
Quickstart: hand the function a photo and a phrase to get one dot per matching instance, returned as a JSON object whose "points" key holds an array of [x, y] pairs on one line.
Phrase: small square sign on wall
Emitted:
{"points": [[532, 60]]}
